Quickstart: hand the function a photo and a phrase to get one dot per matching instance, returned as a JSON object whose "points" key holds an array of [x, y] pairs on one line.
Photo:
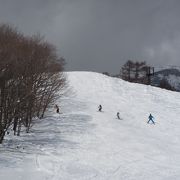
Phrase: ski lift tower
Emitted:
{"points": [[149, 74]]}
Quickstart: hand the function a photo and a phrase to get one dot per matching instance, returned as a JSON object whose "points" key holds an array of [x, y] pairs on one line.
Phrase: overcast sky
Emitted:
{"points": [[101, 35]]}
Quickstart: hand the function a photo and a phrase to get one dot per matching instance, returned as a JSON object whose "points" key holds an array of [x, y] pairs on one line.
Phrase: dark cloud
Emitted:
{"points": [[101, 35]]}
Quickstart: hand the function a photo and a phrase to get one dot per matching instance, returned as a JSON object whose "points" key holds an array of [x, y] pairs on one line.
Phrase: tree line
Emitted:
{"points": [[136, 72], [140, 72], [31, 78]]}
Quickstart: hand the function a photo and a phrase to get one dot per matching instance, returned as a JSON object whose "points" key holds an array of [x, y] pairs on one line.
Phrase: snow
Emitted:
{"points": [[84, 144]]}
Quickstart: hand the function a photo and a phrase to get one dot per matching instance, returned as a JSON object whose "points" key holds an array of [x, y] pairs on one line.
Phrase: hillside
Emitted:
{"points": [[84, 144], [171, 74]]}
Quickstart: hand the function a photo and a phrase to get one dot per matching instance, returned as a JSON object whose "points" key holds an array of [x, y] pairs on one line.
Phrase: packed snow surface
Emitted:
{"points": [[84, 144]]}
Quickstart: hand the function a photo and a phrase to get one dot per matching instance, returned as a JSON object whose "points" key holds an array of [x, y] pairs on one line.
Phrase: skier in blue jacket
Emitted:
{"points": [[151, 119]]}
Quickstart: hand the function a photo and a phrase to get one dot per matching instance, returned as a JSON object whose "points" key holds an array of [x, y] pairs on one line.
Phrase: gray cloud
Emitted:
{"points": [[101, 35]]}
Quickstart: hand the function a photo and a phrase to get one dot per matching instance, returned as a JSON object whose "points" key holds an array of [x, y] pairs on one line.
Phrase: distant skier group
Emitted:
{"points": [[100, 110], [150, 118]]}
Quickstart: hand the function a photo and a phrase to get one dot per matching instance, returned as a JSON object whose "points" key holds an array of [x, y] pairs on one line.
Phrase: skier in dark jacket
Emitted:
{"points": [[57, 108], [151, 119], [100, 108], [118, 115]]}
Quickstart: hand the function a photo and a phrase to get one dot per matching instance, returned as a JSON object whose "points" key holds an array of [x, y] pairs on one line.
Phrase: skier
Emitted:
{"points": [[57, 108], [118, 115], [100, 108], [151, 119]]}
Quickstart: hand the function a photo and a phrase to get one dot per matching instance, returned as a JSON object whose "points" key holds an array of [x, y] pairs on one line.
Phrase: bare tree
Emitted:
{"points": [[135, 72], [126, 70], [31, 78], [165, 85]]}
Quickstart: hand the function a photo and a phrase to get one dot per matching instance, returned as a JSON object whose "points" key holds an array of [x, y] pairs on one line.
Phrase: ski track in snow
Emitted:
{"points": [[84, 144]]}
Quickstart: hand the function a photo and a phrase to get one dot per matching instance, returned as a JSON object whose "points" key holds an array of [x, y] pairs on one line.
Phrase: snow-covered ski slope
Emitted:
{"points": [[84, 144]]}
